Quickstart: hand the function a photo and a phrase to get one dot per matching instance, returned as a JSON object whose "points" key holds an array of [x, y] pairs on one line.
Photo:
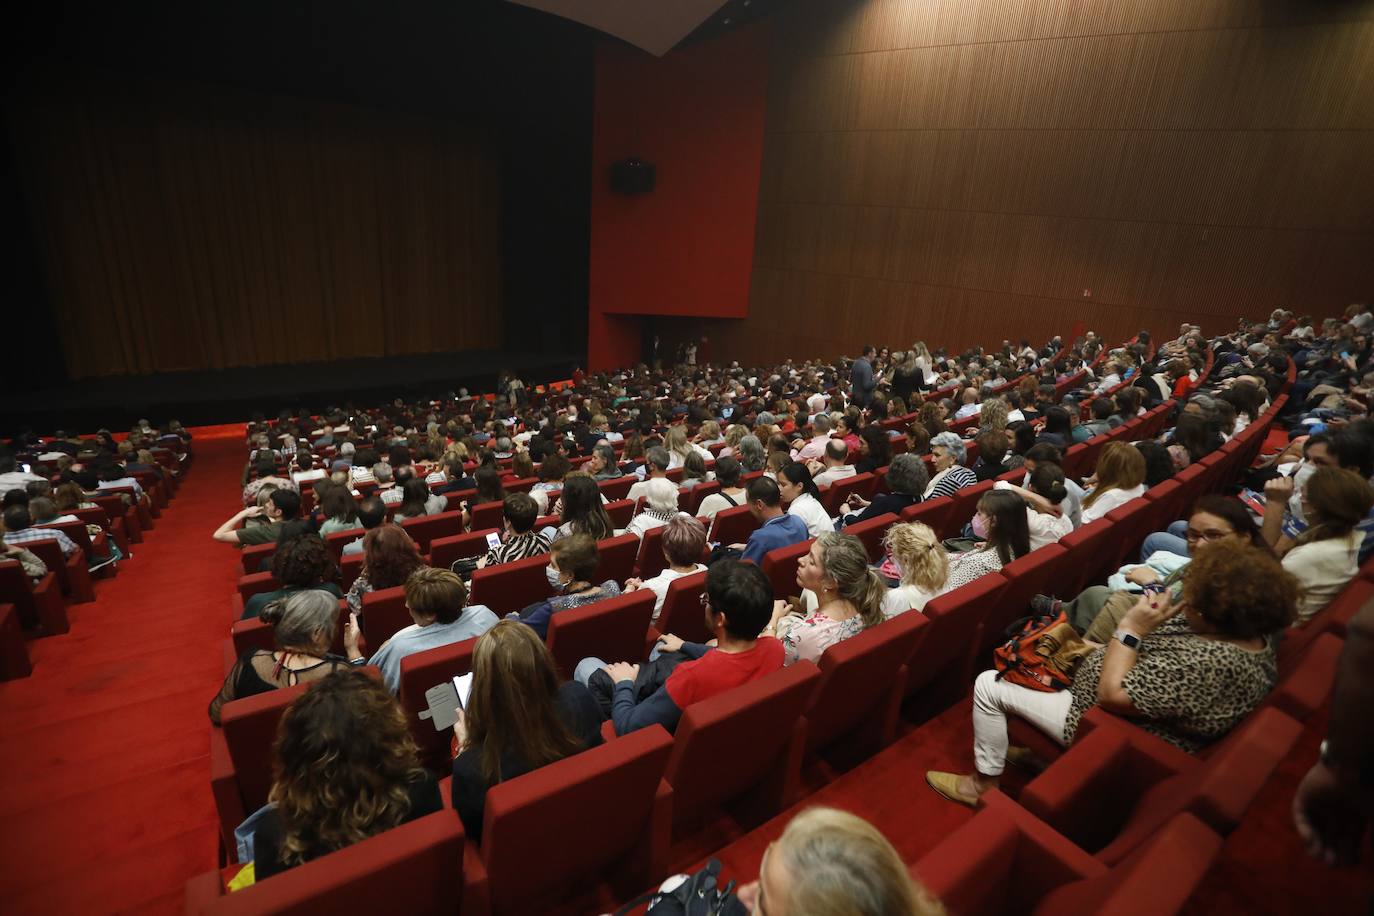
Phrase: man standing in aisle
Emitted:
{"points": [[862, 380]]}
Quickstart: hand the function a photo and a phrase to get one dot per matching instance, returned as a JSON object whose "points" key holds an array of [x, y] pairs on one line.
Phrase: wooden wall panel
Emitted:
{"points": [[965, 170]]}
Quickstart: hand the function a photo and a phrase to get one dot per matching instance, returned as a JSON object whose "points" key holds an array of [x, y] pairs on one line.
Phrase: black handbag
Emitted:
{"points": [[695, 895]]}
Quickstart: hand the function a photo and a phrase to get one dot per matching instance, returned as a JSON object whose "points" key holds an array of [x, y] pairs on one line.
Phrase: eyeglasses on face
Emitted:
{"points": [[1193, 536]]}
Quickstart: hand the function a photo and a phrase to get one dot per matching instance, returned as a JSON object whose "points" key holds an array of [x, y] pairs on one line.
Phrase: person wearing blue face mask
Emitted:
{"points": [[572, 563]]}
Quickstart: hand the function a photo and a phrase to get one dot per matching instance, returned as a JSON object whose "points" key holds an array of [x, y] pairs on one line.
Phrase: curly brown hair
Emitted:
{"points": [[1240, 590], [390, 556], [344, 762], [304, 560]]}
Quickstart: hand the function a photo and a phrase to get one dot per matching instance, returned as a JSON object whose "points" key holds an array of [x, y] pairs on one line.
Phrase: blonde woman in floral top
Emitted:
{"points": [[846, 598]]}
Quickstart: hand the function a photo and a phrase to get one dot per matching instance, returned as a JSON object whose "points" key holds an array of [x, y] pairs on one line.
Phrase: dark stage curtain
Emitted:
{"points": [[189, 227]]}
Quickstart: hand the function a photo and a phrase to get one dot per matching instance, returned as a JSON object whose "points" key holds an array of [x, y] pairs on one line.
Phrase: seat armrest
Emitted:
{"points": [[224, 786]]}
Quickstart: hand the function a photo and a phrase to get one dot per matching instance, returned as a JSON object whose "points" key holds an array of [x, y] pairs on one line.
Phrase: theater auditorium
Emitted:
{"points": [[779, 457]]}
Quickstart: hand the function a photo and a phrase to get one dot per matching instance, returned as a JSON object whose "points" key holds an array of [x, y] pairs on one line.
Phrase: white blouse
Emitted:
{"points": [[809, 510], [1109, 501]]}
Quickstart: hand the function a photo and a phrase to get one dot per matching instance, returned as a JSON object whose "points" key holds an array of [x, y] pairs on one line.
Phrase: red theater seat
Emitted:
{"points": [[424, 530], [73, 579], [620, 511], [445, 550], [732, 526], [420, 672], [257, 557], [486, 515], [780, 566], [14, 655], [511, 586], [612, 629], [1115, 788], [872, 532], [1005, 860], [416, 868], [932, 512], [758, 728], [39, 604], [605, 811], [683, 614], [616, 557], [945, 653]]}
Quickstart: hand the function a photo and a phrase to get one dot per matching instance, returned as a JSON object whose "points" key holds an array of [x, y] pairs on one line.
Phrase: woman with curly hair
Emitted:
{"points": [[921, 560], [346, 769], [303, 562], [1188, 671], [389, 557], [303, 627]]}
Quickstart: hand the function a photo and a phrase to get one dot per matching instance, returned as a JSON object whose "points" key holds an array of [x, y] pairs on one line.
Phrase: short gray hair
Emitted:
{"points": [[767, 419], [381, 472], [821, 424], [951, 443], [658, 456], [297, 618], [907, 475]]}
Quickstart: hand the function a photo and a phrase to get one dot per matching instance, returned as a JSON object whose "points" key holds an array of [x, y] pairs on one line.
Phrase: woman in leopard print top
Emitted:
{"points": [[1198, 667]]}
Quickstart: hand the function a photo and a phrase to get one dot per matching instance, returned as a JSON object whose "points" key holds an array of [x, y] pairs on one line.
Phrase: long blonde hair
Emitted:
{"points": [[844, 559], [840, 865], [919, 553]]}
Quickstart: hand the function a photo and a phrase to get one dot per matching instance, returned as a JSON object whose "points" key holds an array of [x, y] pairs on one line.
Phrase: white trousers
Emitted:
{"points": [[993, 699]]}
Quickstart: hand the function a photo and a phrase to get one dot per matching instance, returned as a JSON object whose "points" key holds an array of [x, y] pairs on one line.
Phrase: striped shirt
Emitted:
{"points": [[28, 535], [950, 481], [518, 547]]}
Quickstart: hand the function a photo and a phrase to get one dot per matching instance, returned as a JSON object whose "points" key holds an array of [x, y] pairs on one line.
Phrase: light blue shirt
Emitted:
{"points": [[475, 620]]}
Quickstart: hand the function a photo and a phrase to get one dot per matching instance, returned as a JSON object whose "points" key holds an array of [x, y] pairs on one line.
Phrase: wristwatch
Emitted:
{"points": [[1127, 639]]}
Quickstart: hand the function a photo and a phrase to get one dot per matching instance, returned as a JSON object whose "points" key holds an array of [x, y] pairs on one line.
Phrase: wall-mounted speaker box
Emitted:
{"points": [[632, 176]]}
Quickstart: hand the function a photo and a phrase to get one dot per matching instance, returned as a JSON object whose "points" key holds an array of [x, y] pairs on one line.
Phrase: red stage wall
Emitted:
{"points": [[687, 248]]}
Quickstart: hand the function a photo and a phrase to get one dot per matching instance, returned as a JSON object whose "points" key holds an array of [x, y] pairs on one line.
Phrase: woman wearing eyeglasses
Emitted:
{"points": [[1098, 608]]}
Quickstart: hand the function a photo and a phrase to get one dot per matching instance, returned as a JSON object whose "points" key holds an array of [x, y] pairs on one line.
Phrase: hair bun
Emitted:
{"points": [[271, 612]]}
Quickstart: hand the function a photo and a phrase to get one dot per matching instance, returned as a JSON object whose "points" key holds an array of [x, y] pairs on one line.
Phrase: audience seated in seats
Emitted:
{"points": [[1120, 478], [519, 540], [603, 464], [371, 515], [264, 475], [583, 509], [907, 479], [304, 562], [694, 470], [417, 501], [1186, 671], [282, 512], [1325, 557], [798, 489], [776, 528], [516, 719], [303, 628], [489, 490], [346, 769], [684, 539], [551, 472], [660, 506], [12, 477], [1102, 409], [656, 463], [830, 862], [730, 494], [1058, 429], [1045, 518], [1045, 453], [19, 530], [993, 454], [752, 457], [675, 441], [389, 558], [1098, 608], [948, 453], [572, 563], [1159, 463], [841, 596], [916, 555], [834, 466], [737, 602], [999, 522], [1193, 438], [337, 507], [435, 599], [1351, 448]]}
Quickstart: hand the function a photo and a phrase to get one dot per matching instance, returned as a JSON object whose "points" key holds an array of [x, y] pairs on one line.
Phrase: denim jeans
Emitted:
{"points": [[1171, 539]]}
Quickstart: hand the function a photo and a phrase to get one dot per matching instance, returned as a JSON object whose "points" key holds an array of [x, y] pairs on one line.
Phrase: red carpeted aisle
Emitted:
{"points": [[105, 799]]}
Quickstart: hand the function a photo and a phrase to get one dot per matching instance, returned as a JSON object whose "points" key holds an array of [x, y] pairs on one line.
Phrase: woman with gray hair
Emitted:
{"points": [[303, 628], [660, 506], [948, 452], [907, 479], [751, 454]]}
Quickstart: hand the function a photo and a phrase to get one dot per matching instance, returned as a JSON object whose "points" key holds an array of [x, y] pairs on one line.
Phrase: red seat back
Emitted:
{"points": [[413, 868], [612, 628], [445, 550], [650, 561], [863, 681], [424, 530], [420, 672], [872, 532], [697, 494], [682, 613], [250, 728], [732, 526], [757, 727], [620, 511], [932, 512], [511, 586], [947, 647], [780, 566], [486, 515], [533, 818], [253, 557], [616, 557], [1026, 577], [384, 613], [617, 487], [834, 496], [1088, 549]]}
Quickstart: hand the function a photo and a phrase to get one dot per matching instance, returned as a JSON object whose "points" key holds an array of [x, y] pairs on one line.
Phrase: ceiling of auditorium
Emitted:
{"points": [[654, 25]]}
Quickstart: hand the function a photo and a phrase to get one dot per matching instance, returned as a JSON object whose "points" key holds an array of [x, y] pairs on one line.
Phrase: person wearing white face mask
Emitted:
{"points": [[572, 563]]}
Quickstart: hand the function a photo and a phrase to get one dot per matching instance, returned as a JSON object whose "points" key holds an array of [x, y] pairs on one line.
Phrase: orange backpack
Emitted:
{"points": [[1041, 653]]}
